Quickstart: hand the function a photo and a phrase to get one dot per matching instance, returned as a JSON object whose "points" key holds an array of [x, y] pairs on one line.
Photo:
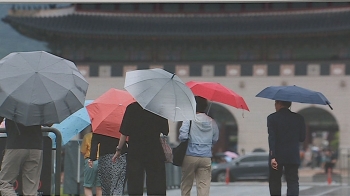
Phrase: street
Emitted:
{"points": [[262, 189]]}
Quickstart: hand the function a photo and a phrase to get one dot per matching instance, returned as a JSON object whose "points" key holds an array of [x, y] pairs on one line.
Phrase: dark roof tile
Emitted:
{"points": [[224, 25]]}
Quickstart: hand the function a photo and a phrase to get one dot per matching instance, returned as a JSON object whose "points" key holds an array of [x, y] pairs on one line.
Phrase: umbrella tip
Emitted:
{"points": [[172, 76], [330, 106]]}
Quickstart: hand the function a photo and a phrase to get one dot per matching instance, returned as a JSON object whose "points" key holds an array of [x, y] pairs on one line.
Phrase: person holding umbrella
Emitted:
{"points": [[91, 178], [202, 133], [286, 130], [112, 175], [106, 114], [37, 88], [145, 152], [24, 153]]}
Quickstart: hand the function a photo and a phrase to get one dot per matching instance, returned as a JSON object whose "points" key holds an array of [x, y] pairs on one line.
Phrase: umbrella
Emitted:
{"points": [[214, 91], [72, 125], [162, 93], [107, 111], [39, 88], [294, 94], [231, 154]]}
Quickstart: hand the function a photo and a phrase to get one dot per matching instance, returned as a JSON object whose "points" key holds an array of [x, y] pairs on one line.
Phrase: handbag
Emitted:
{"points": [[167, 149], [179, 151]]}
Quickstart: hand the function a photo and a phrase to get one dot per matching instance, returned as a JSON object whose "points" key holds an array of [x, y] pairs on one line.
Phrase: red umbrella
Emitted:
{"points": [[216, 92], [107, 111]]}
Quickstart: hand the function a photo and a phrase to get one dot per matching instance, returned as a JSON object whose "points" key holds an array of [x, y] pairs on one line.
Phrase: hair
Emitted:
{"points": [[202, 104], [286, 104]]}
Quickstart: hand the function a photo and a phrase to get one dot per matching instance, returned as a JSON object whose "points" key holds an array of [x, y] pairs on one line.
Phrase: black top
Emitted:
{"points": [[23, 137], [143, 129], [286, 131], [107, 145]]}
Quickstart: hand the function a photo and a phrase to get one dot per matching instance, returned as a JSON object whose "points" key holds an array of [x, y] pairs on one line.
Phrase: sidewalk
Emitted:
{"points": [[317, 175]]}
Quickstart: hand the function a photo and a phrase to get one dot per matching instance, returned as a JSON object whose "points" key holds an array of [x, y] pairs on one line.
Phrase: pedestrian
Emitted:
{"points": [[330, 160], [91, 178], [286, 130], [202, 133], [145, 152], [111, 175], [24, 153]]}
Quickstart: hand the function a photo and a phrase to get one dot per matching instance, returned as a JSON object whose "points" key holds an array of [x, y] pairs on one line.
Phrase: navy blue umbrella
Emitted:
{"points": [[294, 94]]}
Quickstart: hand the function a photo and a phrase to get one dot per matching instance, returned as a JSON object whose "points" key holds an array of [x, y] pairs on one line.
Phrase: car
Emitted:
{"points": [[252, 166]]}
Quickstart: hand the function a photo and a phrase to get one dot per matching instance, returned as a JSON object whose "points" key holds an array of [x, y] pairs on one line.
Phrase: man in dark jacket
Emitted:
{"points": [[286, 130]]}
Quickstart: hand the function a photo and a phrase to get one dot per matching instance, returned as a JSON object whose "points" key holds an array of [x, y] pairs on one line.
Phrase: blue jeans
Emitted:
{"points": [[292, 178]]}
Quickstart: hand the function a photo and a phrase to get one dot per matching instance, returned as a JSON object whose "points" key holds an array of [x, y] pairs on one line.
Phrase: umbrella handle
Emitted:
{"points": [[209, 108]]}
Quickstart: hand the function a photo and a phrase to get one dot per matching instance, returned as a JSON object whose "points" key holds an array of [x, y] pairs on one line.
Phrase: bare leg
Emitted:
{"points": [[98, 191], [88, 191]]}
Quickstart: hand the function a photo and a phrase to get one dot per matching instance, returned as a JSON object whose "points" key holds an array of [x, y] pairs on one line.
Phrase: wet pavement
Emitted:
{"points": [[262, 189], [313, 182], [326, 190]]}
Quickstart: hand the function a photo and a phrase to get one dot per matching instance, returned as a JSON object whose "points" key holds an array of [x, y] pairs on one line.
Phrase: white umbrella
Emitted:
{"points": [[39, 88], [162, 93]]}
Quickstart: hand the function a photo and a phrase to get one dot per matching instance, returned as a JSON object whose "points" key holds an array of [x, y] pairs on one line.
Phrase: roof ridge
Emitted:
{"points": [[71, 10], [240, 14]]}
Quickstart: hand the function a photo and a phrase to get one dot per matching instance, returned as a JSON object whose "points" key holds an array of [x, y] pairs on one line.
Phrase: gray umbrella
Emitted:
{"points": [[38, 88]]}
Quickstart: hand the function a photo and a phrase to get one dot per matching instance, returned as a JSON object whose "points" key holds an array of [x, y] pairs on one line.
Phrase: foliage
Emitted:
{"points": [[334, 144]]}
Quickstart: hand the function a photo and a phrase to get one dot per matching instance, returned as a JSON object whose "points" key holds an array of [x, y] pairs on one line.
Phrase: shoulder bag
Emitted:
{"points": [[167, 149], [179, 152]]}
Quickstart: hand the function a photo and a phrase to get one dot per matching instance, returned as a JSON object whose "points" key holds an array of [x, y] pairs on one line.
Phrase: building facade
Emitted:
{"points": [[243, 46]]}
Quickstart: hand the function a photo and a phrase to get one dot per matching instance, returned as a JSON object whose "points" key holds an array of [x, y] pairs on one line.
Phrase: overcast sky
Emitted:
{"points": [[12, 41]]}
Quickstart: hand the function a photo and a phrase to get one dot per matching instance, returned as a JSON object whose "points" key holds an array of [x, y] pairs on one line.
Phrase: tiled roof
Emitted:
{"points": [[186, 25]]}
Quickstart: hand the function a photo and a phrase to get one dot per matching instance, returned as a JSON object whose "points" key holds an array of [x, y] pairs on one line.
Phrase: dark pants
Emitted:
{"points": [[155, 177], [327, 166], [292, 178]]}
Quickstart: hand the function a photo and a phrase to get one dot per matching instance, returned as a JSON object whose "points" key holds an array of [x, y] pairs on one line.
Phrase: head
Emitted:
{"points": [[282, 104], [202, 104]]}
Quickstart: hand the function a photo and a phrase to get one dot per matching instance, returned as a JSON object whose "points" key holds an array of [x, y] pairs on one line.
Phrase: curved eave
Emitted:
{"points": [[191, 26]]}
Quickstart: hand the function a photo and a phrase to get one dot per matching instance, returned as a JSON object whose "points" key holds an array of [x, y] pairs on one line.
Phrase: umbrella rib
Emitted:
{"points": [[58, 84], [17, 81], [141, 81], [158, 91], [58, 61], [186, 94], [28, 62]]}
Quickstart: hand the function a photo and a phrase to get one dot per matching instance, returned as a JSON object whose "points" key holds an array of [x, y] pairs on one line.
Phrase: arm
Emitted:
{"points": [[272, 137], [164, 125], [119, 148], [272, 142], [83, 147], [302, 130], [94, 147], [1, 119], [215, 132], [184, 130]]}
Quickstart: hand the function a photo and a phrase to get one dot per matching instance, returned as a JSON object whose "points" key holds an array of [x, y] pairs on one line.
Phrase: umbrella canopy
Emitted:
{"points": [[72, 125], [39, 88], [162, 93], [107, 111], [231, 154], [216, 92], [294, 94]]}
